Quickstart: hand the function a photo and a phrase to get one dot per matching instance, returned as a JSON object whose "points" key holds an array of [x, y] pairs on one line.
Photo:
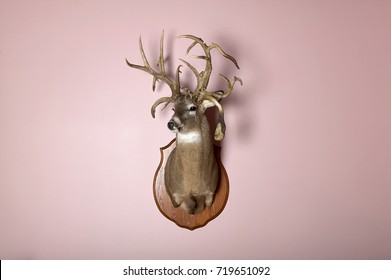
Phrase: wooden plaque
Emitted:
{"points": [[179, 215]]}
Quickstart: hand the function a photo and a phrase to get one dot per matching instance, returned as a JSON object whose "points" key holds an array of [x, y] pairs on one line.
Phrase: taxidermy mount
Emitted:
{"points": [[190, 173]]}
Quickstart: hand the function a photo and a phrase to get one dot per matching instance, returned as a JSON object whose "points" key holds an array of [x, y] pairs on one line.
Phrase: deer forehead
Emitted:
{"points": [[184, 103]]}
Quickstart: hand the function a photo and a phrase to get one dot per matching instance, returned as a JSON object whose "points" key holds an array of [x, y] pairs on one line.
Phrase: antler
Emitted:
{"points": [[203, 80], [200, 93], [161, 75], [204, 76]]}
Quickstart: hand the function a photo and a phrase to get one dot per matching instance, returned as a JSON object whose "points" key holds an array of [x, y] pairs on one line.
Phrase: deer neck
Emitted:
{"points": [[195, 140]]}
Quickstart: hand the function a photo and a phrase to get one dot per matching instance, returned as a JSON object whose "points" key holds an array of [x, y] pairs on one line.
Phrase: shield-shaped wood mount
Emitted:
{"points": [[178, 215]]}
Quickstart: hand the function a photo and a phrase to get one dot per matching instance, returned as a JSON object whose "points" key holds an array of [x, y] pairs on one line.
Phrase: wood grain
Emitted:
{"points": [[178, 215]]}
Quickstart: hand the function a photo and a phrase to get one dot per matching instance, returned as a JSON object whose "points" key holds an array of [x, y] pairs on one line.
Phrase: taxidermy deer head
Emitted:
{"points": [[191, 172]]}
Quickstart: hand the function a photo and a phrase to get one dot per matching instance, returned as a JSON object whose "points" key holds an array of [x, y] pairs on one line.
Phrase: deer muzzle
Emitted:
{"points": [[174, 124]]}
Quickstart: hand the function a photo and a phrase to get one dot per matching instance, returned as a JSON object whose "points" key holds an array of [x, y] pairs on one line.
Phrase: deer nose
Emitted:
{"points": [[171, 125]]}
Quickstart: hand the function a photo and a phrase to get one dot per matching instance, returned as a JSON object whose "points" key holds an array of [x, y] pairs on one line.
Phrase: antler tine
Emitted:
{"points": [[230, 85], [223, 53], [158, 102], [178, 71], [220, 94], [161, 75], [178, 82], [161, 56], [202, 77], [196, 40], [193, 69]]}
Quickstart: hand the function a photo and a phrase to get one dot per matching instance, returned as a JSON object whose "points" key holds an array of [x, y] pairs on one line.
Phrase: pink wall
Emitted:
{"points": [[308, 137]]}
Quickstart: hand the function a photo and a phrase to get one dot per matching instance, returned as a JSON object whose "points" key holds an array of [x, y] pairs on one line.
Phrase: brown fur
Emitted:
{"points": [[191, 172]]}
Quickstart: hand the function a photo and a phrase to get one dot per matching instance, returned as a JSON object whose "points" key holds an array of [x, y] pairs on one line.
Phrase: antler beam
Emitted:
{"points": [[161, 75]]}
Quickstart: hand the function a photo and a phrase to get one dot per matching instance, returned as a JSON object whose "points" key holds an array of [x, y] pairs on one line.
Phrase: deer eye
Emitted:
{"points": [[193, 108]]}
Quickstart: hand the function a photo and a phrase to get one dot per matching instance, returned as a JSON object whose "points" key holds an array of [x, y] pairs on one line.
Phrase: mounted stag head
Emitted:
{"points": [[191, 172]]}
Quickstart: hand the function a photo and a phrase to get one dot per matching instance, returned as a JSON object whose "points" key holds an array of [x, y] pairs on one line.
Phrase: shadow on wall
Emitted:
{"points": [[244, 100]]}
